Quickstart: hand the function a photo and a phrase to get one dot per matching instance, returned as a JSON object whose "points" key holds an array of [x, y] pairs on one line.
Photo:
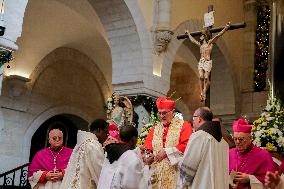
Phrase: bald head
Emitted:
{"points": [[55, 137]]}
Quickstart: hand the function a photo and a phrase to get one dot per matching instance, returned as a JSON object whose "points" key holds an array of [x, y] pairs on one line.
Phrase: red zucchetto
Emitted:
{"points": [[241, 125], [165, 104]]}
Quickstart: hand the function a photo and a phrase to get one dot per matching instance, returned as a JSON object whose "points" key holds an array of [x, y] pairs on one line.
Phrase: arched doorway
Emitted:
{"points": [[68, 123]]}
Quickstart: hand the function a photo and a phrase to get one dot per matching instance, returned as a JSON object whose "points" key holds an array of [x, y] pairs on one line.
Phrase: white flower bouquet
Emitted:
{"points": [[269, 128]]}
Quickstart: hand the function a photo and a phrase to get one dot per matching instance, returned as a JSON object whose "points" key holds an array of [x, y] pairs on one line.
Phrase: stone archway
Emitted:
{"points": [[64, 82], [130, 44], [223, 88], [118, 26], [72, 55], [44, 116]]}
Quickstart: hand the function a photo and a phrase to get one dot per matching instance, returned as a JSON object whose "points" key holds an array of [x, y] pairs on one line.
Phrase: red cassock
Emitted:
{"points": [[185, 133]]}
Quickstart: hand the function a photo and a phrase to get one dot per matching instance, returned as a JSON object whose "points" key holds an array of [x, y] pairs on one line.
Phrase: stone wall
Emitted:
{"points": [[186, 85], [61, 84], [252, 103]]}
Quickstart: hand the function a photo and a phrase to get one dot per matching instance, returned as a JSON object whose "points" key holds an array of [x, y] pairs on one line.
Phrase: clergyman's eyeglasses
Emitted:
{"points": [[240, 139], [194, 116], [55, 138], [164, 113]]}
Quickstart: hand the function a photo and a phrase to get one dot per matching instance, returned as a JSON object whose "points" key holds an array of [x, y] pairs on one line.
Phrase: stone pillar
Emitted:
{"points": [[247, 68], [251, 102], [162, 14], [1, 77], [12, 20], [161, 25], [277, 45]]}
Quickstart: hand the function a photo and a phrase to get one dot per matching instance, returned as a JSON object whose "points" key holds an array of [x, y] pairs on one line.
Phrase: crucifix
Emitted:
{"points": [[206, 45]]}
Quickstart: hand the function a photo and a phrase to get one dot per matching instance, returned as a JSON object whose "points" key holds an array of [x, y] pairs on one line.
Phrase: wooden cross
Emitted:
{"points": [[204, 77], [211, 29]]}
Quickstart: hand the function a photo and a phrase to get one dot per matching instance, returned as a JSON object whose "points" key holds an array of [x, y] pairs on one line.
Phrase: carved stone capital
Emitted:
{"points": [[17, 85], [162, 39]]}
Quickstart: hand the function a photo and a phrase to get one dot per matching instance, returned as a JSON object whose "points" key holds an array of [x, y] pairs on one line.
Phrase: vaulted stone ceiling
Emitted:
{"points": [[52, 24]]}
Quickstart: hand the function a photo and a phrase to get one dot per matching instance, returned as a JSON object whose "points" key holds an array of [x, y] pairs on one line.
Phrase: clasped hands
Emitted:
{"points": [[160, 156], [239, 177], [149, 158], [54, 176]]}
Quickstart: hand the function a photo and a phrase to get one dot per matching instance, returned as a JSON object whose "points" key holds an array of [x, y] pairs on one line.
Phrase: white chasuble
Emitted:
{"points": [[85, 163]]}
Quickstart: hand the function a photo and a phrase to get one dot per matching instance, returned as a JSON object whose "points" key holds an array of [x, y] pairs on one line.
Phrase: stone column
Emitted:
{"points": [[161, 25], [247, 68], [12, 20], [1, 77], [251, 102]]}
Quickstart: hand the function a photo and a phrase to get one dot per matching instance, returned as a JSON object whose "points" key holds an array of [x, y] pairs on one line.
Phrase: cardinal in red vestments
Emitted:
{"points": [[167, 139]]}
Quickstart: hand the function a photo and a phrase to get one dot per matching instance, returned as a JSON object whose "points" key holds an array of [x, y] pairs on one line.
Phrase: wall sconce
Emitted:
{"points": [[2, 22]]}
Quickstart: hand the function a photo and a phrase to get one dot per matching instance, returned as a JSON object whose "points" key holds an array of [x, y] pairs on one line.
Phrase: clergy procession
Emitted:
{"points": [[175, 154]]}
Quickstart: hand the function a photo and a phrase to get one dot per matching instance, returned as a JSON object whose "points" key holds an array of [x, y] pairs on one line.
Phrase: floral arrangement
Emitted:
{"points": [[269, 128], [146, 128]]}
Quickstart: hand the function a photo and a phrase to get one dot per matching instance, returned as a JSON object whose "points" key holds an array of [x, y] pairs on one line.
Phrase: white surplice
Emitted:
{"points": [[34, 181], [128, 172], [205, 163], [85, 163]]}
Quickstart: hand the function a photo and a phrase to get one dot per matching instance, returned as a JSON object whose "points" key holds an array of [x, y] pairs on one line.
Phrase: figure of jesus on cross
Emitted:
{"points": [[205, 44], [205, 63]]}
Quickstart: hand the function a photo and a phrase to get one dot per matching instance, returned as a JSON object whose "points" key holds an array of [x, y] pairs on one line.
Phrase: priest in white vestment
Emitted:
{"points": [[123, 167], [205, 161], [86, 161], [85, 164]]}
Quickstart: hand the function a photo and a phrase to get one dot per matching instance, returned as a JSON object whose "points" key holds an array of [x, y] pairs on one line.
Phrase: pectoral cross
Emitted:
{"points": [[55, 158], [54, 163]]}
